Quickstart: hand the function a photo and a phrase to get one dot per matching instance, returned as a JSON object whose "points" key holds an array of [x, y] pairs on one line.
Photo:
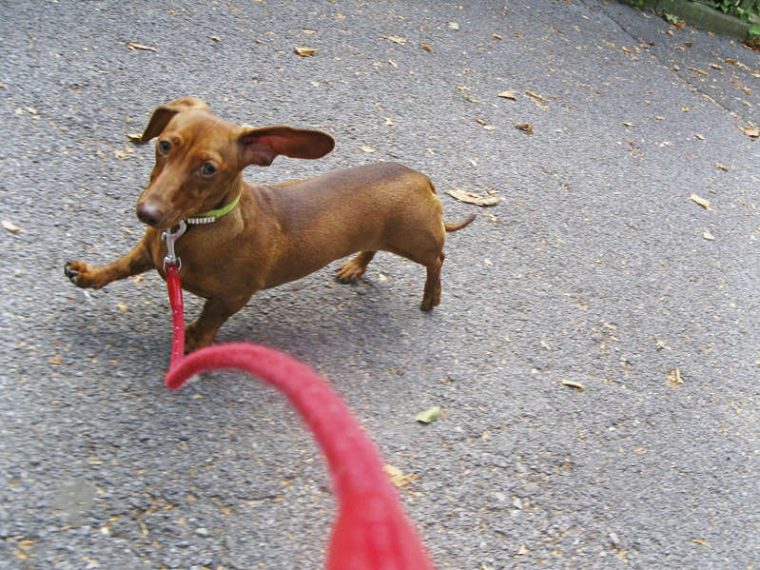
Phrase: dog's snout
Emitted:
{"points": [[149, 213]]}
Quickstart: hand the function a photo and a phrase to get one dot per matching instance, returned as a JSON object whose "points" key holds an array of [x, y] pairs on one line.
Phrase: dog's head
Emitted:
{"points": [[200, 157]]}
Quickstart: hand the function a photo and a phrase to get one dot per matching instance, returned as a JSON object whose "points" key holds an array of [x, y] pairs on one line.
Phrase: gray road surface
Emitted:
{"points": [[597, 268]]}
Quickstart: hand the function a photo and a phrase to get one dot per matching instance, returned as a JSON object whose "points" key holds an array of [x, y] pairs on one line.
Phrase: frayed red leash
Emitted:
{"points": [[371, 531]]}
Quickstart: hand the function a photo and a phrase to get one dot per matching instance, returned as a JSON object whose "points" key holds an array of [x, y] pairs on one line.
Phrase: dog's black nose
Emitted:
{"points": [[149, 213]]}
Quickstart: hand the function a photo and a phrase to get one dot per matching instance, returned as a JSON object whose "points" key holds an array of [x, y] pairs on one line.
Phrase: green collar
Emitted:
{"points": [[213, 215]]}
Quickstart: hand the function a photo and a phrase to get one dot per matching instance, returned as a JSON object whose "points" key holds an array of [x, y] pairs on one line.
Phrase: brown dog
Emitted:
{"points": [[245, 238]]}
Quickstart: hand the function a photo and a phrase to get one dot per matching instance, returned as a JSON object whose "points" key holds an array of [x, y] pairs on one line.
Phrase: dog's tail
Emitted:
{"points": [[371, 531], [454, 226]]}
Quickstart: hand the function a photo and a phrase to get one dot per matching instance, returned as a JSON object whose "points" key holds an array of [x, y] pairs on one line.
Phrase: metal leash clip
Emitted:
{"points": [[170, 237]]}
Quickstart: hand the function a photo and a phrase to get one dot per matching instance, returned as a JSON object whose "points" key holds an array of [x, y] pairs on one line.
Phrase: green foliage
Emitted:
{"points": [[746, 10], [671, 18]]}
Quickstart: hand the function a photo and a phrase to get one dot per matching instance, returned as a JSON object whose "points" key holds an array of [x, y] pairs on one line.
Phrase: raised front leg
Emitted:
{"points": [[202, 330], [85, 275]]}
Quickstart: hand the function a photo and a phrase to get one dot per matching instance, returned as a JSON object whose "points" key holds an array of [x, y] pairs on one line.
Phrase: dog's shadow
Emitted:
{"points": [[311, 319], [318, 316]]}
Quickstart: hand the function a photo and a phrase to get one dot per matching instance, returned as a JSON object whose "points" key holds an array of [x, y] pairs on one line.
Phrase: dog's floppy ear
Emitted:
{"points": [[260, 146], [164, 113]]}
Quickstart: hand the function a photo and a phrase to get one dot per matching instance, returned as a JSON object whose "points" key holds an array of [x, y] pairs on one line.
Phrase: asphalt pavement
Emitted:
{"points": [[596, 353]]}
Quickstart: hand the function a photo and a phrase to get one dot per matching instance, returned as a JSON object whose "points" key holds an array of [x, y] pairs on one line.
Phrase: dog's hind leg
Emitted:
{"points": [[432, 295]]}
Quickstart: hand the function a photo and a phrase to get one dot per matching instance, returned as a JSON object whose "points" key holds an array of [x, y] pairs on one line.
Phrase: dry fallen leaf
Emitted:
{"points": [[31, 110], [26, 543], [122, 307], [140, 47], [708, 236], [507, 95], [527, 128], [697, 70], [700, 201], [426, 47], [751, 131], [124, 154], [55, 360], [11, 227], [395, 39], [537, 98], [699, 137], [661, 344], [135, 137], [674, 378], [428, 416], [744, 88], [497, 36], [487, 200], [304, 51], [397, 477], [215, 39], [368, 149], [722, 167], [571, 384]]}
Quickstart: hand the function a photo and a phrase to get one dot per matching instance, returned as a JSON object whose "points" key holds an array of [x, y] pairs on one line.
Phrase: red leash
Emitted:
{"points": [[371, 531], [174, 285]]}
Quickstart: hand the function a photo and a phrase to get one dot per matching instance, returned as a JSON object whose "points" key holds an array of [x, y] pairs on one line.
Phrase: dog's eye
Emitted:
{"points": [[164, 147], [208, 169]]}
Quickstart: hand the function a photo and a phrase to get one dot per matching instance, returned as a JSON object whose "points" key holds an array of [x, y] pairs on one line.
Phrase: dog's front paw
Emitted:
{"points": [[80, 274]]}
